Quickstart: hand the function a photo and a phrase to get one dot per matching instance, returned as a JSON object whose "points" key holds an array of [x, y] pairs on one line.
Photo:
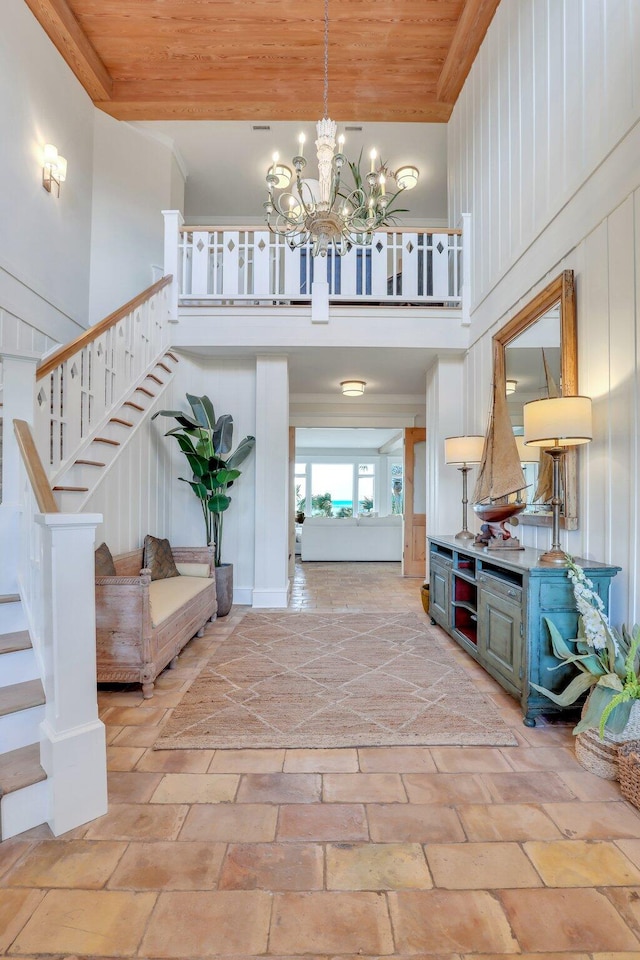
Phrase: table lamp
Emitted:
{"points": [[555, 424], [465, 451]]}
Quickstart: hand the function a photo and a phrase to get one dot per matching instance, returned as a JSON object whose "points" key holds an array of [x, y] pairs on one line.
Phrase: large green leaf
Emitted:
{"points": [[198, 488], [199, 465], [241, 452], [571, 693], [222, 477], [202, 411], [218, 503], [223, 434], [183, 418], [185, 443], [598, 700], [560, 648], [611, 681]]}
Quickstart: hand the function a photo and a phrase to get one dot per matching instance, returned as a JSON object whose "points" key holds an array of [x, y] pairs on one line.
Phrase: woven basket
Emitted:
{"points": [[629, 771], [601, 756]]}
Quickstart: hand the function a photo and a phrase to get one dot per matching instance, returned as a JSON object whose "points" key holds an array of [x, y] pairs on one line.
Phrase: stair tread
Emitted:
{"points": [[144, 390], [121, 421], [130, 403], [10, 598], [12, 642], [21, 696], [163, 365], [152, 376], [91, 463], [172, 355], [20, 768], [73, 489], [113, 443]]}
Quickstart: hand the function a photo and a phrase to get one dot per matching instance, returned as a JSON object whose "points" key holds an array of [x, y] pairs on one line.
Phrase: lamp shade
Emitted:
{"points": [[353, 388], [558, 422], [527, 454], [463, 449]]}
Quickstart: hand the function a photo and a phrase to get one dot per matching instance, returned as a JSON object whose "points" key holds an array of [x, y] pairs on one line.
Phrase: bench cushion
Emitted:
{"points": [[167, 596]]}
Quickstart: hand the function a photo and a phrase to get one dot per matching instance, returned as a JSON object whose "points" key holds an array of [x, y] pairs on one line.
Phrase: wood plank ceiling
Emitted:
{"points": [[392, 60]]}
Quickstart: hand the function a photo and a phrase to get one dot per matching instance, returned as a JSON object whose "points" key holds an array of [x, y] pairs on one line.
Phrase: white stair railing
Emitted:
{"points": [[55, 567], [81, 383], [244, 264]]}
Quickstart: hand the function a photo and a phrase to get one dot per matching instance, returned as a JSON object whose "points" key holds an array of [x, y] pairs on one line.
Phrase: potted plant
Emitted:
{"points": [[607, 662], [206, 443]]}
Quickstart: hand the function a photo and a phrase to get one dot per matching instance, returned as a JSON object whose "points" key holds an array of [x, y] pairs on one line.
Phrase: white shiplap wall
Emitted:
{"points": [[544, 153], [136, 496], [17, 335]]}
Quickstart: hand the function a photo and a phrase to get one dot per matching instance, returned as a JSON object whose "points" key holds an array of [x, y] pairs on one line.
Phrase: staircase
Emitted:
{"points": [[76, 481], [66, 422], [23, 786]]}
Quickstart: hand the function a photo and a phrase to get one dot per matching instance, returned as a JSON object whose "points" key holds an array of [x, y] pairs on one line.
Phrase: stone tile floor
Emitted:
{"points": [[442, 853]]}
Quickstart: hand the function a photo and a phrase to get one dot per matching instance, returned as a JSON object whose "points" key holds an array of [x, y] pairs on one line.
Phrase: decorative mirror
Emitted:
{"points": [[535, 356]]}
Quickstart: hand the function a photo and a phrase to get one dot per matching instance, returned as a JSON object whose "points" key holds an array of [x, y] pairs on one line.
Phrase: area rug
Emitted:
{"points": [[322, 680]]}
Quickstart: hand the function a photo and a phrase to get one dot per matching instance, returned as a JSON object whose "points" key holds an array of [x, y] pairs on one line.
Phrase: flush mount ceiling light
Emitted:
{"points": [[326, 212], [510, 387], [353, 388]]}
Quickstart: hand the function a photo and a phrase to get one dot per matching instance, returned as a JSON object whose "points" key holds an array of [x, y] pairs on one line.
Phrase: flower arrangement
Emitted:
{"points": [[607, 660]]}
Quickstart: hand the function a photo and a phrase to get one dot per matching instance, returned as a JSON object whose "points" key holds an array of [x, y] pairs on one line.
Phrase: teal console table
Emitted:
{"points": [[493, 604]]}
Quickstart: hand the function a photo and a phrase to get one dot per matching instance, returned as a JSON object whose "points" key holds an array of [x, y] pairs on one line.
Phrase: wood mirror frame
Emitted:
{"points": [[559, 291]]}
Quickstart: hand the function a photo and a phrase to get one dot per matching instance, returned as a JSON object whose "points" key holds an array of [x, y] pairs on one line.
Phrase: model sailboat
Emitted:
{"points": [[499, 475]]}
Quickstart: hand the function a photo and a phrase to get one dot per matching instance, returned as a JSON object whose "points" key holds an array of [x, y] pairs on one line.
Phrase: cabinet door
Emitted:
{"points": [[499, 636], [439, 592]]}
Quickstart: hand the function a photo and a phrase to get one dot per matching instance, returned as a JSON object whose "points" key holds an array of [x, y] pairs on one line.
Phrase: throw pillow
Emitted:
{"points": [[105, 567], [158, 558]]}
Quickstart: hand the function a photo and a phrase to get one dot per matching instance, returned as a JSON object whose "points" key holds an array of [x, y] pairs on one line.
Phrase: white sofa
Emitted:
{"points": [[352, 538]]}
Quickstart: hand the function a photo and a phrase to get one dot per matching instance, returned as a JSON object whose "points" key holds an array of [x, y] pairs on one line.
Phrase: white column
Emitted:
{"points": [[173, 220], [72, 745], [18, 396], [271, 583], [445, 406], [320, 301]]}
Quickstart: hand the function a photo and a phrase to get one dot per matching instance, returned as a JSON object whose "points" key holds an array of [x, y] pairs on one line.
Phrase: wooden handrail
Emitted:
{"points": [[33, 465], [252, 228], [98, 329]]}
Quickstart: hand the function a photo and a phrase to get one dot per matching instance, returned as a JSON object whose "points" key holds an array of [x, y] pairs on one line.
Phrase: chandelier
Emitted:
{"points": [[325, 211]]}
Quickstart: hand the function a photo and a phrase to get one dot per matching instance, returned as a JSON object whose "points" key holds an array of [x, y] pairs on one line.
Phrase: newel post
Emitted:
{"points": [[72, 744], [18, 396], [173, 220]]}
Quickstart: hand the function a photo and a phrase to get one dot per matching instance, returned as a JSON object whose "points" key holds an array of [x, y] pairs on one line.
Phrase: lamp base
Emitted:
{"points": [[556, 557], [465, 535]]}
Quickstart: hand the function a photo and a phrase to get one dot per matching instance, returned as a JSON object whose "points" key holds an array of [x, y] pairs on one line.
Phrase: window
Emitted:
{"points": [[366, 487], [332, 489]]}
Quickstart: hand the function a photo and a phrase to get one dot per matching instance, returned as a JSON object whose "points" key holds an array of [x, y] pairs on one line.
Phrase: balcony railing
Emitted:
{"points": [[227, 265]]}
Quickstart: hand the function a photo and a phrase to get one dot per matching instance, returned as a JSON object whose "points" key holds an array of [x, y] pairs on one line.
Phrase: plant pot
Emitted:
{"points": [[424, 594], [224, 588], [601, 756]]}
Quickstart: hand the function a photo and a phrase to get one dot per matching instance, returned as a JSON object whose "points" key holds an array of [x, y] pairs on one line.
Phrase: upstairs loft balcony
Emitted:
{"points": [[243, 268]]}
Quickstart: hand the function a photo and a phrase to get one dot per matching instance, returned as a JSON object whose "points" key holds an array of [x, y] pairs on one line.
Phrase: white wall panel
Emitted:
{"points": [[15, 334], [136, 496]]}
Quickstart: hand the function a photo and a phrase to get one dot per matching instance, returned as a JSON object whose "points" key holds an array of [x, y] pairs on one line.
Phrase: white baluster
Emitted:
{"points": [[348, 281], [409, 266], [379, 265], [231, 252], [440, 266], [261, 264]]}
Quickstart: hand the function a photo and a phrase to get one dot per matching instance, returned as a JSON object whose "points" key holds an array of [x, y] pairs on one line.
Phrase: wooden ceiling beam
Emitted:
{"points": [[62, 28], [470, 32]]}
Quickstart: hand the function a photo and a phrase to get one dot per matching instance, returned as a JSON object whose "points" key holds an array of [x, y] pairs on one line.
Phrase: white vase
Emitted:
{"points": [[601, 756]]}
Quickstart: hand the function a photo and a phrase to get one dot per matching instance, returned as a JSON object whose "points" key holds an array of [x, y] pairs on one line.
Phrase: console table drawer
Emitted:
{"points": [[504, 588]]}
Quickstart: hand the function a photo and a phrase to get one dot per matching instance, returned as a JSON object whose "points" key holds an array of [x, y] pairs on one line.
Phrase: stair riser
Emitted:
{"points": [[81, 475], [21, 728], [12, 618], [24, 809], [17, 667], [68, 501]]}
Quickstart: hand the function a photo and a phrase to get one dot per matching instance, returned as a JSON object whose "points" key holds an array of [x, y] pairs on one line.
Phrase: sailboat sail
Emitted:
{"points": [[500, 472], [544, 486]]}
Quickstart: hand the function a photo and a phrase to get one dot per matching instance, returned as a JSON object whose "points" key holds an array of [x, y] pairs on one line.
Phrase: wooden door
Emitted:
{"points": [[415, 518]]}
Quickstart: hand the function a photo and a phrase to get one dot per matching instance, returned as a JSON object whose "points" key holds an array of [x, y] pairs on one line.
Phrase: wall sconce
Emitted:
{"points": [[54, 169], [463, 450], [555, 424], [510, 387], [353, 388]]}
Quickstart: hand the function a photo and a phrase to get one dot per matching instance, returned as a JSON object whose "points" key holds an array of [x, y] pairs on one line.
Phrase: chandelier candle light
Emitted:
{"points": [[325, 211]]}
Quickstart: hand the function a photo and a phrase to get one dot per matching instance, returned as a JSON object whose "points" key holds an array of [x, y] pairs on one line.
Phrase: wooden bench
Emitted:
{"points": [[142, 625]]}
